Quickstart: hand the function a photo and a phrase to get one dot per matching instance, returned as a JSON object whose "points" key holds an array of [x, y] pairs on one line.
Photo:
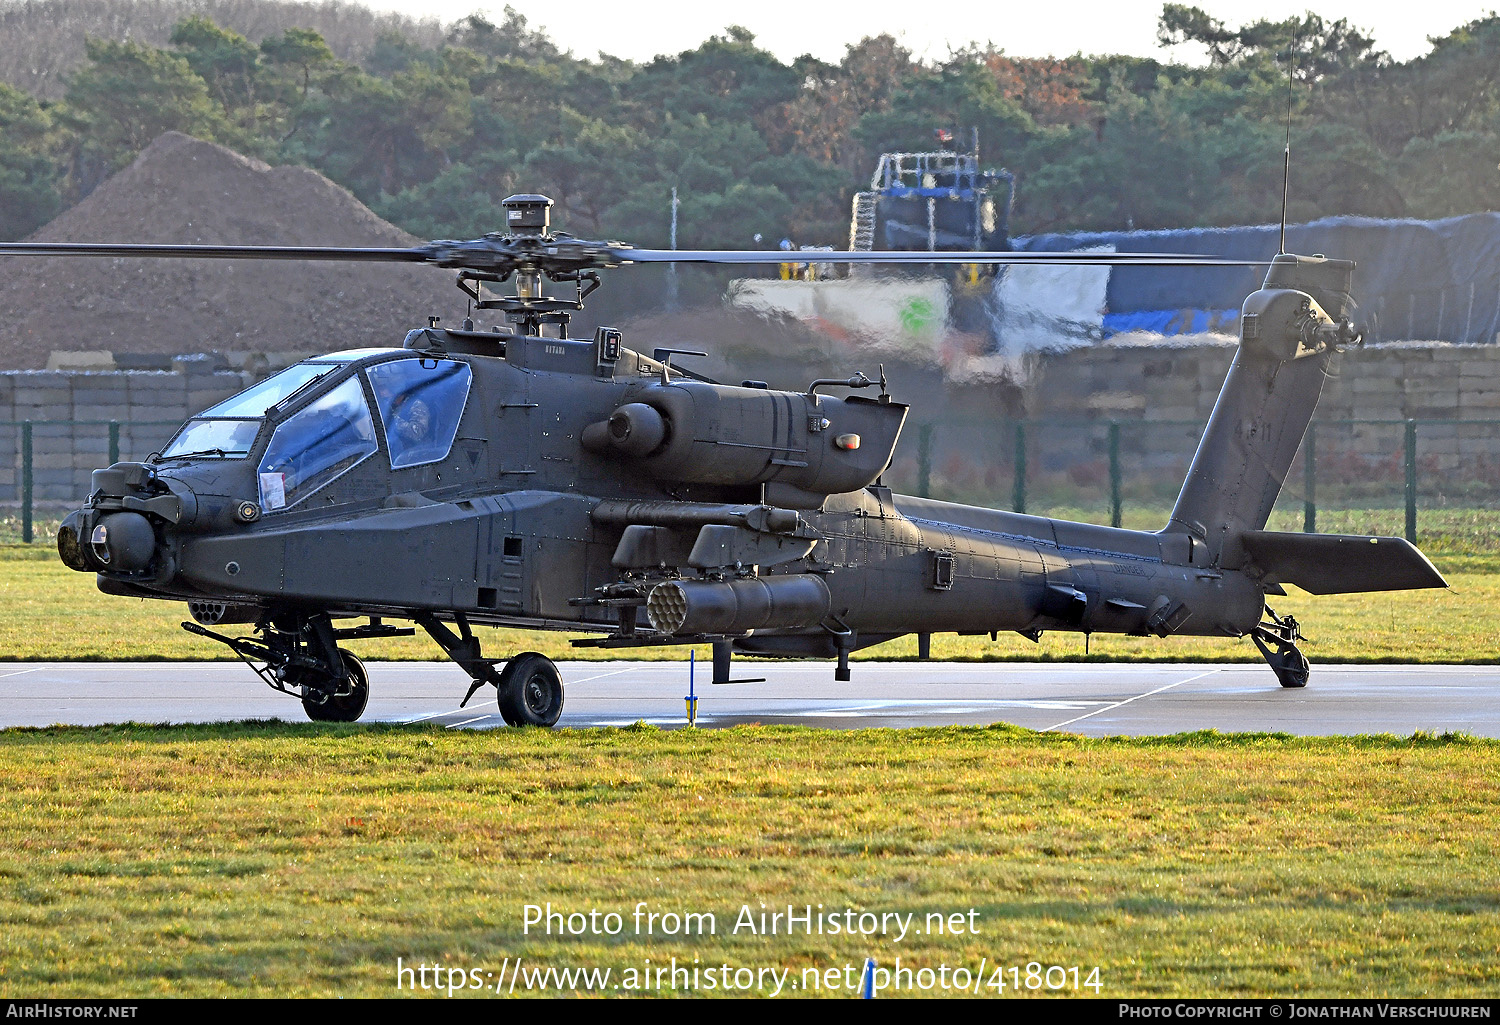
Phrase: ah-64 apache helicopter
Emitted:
{"points": [[524, 478]]}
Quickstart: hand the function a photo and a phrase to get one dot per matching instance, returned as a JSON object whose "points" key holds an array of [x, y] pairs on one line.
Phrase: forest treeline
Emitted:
{"points": [[433, 125]]}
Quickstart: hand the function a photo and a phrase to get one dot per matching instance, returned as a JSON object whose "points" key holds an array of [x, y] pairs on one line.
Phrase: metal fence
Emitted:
{"points": [[54, 458], [1389, 471], [1103, 470]]}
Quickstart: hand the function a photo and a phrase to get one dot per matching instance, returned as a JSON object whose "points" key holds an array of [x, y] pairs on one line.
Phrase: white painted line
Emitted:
{"points": [[855, 713], [941, 706], [156, 666], [455, 711], [429, 715], [680, 721], [617, 672], [477, 718], [1127, 701], [23, 672]]}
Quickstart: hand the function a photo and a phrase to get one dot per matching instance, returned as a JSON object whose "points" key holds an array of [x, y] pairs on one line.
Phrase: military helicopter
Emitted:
{"points": [[520, 477]]}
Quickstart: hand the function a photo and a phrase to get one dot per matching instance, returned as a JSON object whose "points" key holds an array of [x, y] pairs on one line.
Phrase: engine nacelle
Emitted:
{"points": [[699, 433]]}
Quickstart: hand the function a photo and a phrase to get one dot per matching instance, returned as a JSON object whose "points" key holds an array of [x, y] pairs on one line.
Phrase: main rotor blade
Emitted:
{"points": [[202, 252], [760, 256], [502, 253]]}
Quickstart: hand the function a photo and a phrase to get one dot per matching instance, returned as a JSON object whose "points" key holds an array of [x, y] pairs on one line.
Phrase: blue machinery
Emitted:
{"points": [[926, 202]]}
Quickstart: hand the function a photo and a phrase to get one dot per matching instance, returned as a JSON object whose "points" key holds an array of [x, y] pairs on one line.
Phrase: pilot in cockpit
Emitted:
{"points": [[411, 419]]}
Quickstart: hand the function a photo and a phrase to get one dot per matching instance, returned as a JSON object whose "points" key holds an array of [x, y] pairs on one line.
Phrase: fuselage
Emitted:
{"points": [[526, 480], [326, 499]]}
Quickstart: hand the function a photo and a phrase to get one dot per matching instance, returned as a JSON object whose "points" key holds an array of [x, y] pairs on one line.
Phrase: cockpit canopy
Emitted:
{"points": [[321, 421], [421, 401]]}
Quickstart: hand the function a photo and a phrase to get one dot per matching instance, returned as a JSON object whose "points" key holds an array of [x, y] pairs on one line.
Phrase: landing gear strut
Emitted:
{"points": [[843, 644], [529, 689], [463, 649], [1287, 661], [297, 653], [723, 657]]}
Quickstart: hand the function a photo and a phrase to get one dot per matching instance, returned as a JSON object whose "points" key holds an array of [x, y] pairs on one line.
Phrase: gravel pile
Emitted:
{"points": [[183, 190]]}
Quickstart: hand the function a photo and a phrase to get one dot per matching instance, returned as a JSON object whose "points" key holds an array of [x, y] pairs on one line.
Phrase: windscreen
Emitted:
{"points": [[315, 445], [255, 400], [228, 439]]}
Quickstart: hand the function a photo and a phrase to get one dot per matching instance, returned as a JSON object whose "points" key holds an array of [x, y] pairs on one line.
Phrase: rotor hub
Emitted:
{"points": [[527, 215]]}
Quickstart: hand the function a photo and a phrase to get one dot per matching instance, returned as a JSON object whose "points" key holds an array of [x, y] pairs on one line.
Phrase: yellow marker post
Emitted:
{"points": [[692, 696]]}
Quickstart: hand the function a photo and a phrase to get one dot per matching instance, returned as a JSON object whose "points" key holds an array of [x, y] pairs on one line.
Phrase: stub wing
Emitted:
{"points": [[1340, 563]]}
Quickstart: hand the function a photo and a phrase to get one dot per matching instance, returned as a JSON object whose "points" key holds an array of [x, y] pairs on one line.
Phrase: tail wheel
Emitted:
{"points": [[1286, 661], [1294, 670], [530, 691], [330, 705]]}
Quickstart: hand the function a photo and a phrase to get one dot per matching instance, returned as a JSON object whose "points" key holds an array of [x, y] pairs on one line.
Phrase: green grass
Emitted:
{"points": [[292, 860], [53, 613]]}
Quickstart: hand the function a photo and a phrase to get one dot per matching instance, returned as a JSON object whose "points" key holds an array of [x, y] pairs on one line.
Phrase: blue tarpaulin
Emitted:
{"points": [[1173, 322], [1421, 280]]}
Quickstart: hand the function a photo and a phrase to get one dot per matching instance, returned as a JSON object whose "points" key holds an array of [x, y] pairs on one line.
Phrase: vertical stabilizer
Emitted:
{"points": [[1289, 331]]}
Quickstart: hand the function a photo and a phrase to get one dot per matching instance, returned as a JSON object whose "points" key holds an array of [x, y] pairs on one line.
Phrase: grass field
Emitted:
{"points": [[53, 613], [277, 859]]}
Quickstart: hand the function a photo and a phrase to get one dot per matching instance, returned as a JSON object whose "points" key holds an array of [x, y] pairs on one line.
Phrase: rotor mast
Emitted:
{"points": [[527, 220]]}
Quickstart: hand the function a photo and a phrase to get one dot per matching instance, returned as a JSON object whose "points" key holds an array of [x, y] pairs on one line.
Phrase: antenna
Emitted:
{"points": [[1286, 162]]}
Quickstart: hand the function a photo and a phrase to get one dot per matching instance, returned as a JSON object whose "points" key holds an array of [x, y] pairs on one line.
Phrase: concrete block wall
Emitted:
{"points": [[1162, 393], [1391, 381]]}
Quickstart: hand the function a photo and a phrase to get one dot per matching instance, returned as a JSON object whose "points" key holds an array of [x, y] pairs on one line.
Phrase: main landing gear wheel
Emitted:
{"points": [[323, 706], [530, 691]]}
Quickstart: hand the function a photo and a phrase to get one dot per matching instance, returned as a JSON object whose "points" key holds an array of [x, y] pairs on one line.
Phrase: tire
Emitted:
{"points": [[1295, 673], [343, 707], [530, 691]]}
